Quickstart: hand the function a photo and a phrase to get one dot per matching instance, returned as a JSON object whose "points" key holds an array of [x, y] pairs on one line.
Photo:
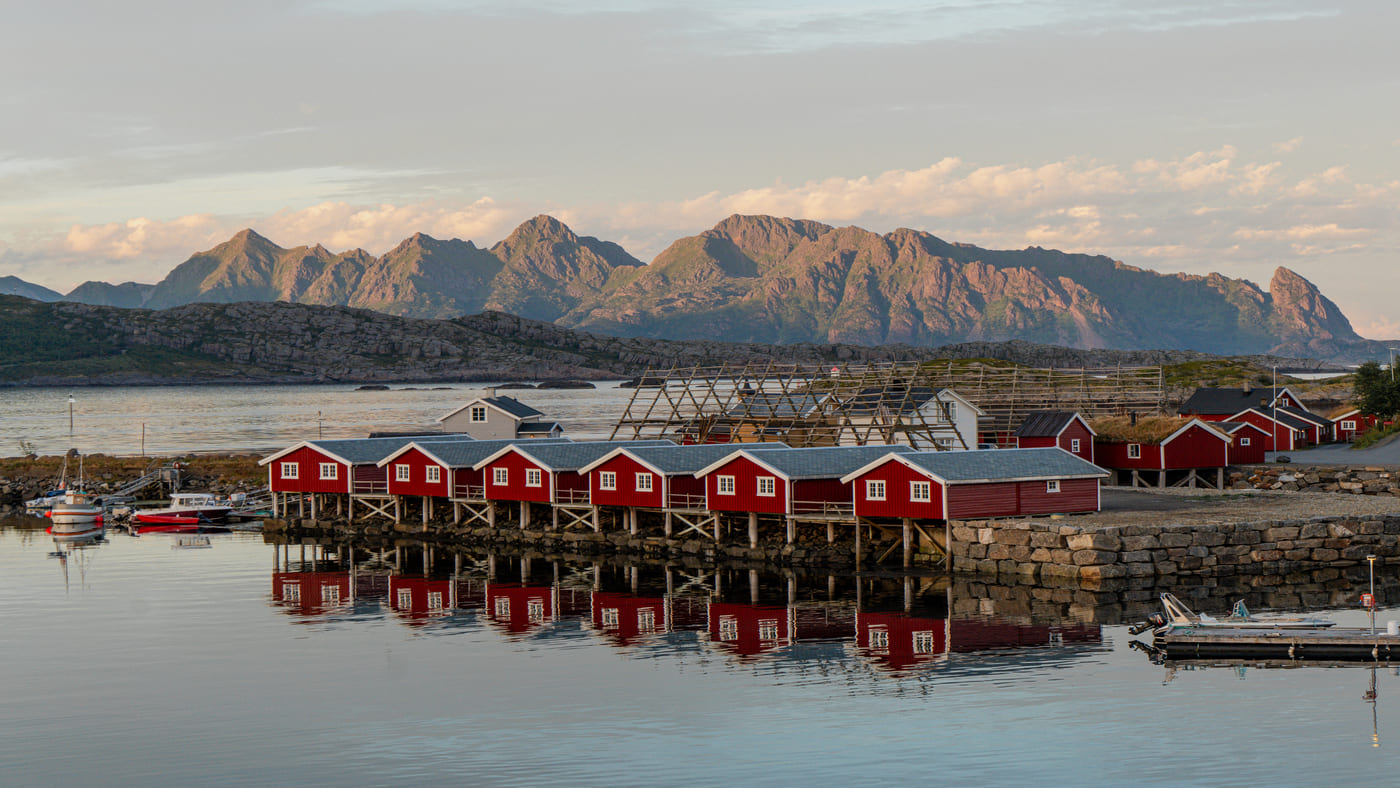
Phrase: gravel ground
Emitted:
{"points": [[1129, 506]]}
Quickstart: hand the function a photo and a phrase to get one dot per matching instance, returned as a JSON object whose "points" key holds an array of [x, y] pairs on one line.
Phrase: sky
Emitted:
{"points": [[1232, 136]]}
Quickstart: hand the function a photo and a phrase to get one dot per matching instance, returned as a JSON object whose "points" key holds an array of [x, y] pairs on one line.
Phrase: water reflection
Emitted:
{"points": [[895, 624]]}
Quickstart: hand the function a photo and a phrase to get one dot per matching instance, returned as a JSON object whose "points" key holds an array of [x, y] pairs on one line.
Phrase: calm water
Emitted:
{"points": [[178, 419], [138, 662]]}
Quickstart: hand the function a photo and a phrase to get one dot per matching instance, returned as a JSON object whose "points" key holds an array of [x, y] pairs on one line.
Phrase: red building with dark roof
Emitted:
{"points": [[1065, 429]]}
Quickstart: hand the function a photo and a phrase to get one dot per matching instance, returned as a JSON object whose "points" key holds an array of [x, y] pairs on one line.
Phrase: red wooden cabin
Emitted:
{"points": [[444, 469], [1282, 430], [1186, 450], [656, 477], [788, 481], [1051, 428], [546, 472], [1352, 422], [975, 484], [1221, 404], [333, 466], [1247, 442]]}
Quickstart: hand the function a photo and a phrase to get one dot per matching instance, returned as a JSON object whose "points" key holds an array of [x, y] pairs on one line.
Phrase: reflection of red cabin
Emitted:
{"points": [[1191, 445], [1248, 442], [419, 598], [311, 593], [897, 642], [1048, 429], [520, 608], [971, 484], [822, 623], [624, 617], [1352, 422], [748, 630]]}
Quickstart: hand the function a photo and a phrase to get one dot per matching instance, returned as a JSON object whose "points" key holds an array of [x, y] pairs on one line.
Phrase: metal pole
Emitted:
{"points": [[1273, 411], [70, 417], [1371, 563]]}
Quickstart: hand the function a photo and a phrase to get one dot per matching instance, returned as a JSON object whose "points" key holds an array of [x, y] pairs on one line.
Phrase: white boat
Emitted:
{"points": [[75, 513], [1177, 616], [191, 507]]}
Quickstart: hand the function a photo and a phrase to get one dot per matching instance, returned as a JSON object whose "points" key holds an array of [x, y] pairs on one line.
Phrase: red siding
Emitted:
{"points": [[570, 487], [1254, 452], [1286, 440], [624, 618], [417, 483], [745, 497], [519, 608], [895, 645], [425, 598], [370, 479], [1197, 447], [747, 630], [311, 593], [897, 477], [1075, 431], [685, 492], [1075, 495], [1113, 454], [626, 493], [515, 490], [309, 479], [821, 496], [466, 483], [1361, 422]]}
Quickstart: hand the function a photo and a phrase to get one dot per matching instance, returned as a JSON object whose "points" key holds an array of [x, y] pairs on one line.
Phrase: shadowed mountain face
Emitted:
{"points": [[766, 279]]}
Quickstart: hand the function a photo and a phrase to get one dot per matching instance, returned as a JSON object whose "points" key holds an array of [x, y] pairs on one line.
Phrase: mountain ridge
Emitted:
{"points": [[775, 280]]}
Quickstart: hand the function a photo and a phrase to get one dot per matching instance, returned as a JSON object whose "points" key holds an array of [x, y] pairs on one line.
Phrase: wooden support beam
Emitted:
{"points": [[753, 529], [908, 542]]}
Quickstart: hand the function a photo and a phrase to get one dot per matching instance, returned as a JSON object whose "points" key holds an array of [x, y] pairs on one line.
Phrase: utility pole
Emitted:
{"points": [[70, 418]]}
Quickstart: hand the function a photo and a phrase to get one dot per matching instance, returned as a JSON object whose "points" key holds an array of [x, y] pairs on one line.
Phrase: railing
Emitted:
{"points": [[370, 487], [572, 496], [825, 508], [686, 501], [471, 491]]}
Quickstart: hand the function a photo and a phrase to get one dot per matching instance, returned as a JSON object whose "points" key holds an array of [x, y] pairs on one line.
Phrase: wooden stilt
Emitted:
{"points": [[597, 524], [667, 525], [908, 541], [830, 532], [753, 529], [791, 530], [632, 520]]}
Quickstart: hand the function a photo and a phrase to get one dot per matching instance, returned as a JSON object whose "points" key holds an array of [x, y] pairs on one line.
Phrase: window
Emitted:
{"points": [[500, 476], [503, 607], [766, 486], [1348, 424], [879, 639], [405, 598], [330, 594], [920, 492], [1073, 445], [643, 482], [768, 629], [289, 470], [534, 609], [923, 642], [291, 592], [875, 490], [1052, 485], [435, 600], [1244, 441], [609, 618], [329, 470], [607, 480], [728, 628], [478, 413], [402, 473], [532, 477], [724, 485], [1134, 451], [434, 474], [646, 620]]}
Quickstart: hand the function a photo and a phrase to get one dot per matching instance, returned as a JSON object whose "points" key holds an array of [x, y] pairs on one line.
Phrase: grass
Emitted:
{"points": [[1374, 435], [102, 467]]}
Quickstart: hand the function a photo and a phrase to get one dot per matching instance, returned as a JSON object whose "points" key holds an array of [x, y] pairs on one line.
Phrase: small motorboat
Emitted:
{"points": [[205, 508], [75, 513], [1176, 615]]}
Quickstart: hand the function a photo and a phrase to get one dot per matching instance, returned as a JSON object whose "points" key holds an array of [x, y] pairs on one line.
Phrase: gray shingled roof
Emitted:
{"points": [[368, 451], [1282, 416], [1307, 415], [765, 404], [1225, 402], [538, 426], [673, 460], [513, 406], [457, 454], [572, 456], [1003, 464], [826, 462], [1044, 423]]}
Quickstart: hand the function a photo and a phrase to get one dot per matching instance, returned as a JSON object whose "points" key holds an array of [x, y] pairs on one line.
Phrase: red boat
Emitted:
{"points": [[168, 524]]}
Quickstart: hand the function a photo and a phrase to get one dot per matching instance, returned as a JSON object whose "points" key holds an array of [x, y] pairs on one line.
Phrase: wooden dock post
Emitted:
{"points": [[908, 541], [753, 529]]}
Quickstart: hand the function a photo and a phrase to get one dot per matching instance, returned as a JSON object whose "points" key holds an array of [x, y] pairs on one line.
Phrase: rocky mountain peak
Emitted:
{"points": [[1303, 311]]}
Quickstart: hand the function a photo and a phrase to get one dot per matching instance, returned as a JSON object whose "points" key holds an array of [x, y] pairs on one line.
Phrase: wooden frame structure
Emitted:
{"points": [[845, 404]]}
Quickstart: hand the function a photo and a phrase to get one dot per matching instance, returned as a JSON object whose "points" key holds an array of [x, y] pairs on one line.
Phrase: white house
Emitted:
{"points": [[499, 418]]}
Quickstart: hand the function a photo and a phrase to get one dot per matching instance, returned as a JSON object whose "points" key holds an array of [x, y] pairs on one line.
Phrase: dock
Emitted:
{"points": [[1317, 645]]}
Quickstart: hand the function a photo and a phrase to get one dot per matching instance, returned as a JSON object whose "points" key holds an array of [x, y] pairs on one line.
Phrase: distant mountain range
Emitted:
{"points": [[769, 280]]}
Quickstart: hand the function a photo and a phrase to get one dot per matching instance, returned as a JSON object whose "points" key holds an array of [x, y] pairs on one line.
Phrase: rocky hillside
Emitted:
{"points": [[66, 343], [771, 280]]}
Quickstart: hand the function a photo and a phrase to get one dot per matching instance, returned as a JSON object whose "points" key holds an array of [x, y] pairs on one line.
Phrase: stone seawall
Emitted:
{"points": [[1345, 479], [1041, 549]]}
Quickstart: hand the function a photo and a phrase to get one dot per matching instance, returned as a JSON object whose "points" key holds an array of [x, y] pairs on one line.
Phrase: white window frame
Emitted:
{"points": [[477, 414], [534, 477], [1134, 451], [290, 470], [502, 607], [432, 474], [1052, 486], [329, 471], [534, 609], [607, 480], [766, 486], [405, 599], [923, 641], [1244, 440], [403, 472], [921, 492], [879, 639], [1073, 445], [724, 485], [435, 600], [330, 594], [1348, 424], [646, 619], [644, 482], [768, 630], [609, 619], [500, 477], [874, 489], [728, 629], [291, 592]]}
